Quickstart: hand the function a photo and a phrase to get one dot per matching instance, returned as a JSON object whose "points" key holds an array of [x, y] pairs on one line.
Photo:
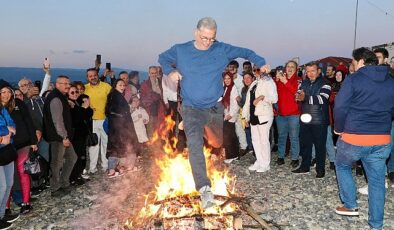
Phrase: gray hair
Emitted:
{"points": [[208, 23], [24, 79]]}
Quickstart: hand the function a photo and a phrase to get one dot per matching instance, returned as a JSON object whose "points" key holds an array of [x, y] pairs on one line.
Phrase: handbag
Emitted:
{"points": [[32, 165], [7, 154], [92, 138]]}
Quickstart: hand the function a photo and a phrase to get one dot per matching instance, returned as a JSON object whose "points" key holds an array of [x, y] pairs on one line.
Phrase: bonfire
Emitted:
{"points": [[175, 203]]}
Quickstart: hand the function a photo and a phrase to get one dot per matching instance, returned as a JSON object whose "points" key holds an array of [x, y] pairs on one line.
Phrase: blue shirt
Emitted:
{"points": [[201, 70]]}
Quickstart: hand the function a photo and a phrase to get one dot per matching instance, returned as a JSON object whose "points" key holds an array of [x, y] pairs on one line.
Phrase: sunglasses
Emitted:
{"points": [[73, 92]]}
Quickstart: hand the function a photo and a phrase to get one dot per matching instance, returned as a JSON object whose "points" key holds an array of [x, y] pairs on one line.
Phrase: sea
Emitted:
{"points": [[14, 74]]}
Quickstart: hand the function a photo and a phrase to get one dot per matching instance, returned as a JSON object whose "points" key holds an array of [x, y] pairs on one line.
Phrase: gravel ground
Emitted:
{"points": [[291, 201]]}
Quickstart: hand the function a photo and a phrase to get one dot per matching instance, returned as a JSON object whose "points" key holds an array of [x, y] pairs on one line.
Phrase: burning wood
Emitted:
{"points": [[176, 203]]}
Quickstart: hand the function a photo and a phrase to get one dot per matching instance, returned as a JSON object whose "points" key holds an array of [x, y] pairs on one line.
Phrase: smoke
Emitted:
{"points": [[116, 200]]}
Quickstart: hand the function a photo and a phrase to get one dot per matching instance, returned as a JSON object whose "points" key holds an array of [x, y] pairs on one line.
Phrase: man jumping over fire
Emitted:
{"points": [[198, 65]]}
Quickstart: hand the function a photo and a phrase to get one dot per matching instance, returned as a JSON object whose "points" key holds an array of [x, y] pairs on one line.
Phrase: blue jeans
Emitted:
{"points": [[374, 162], [200, 123], [113, 162], [390, 163], [6, 181], [288, 125], [43, 149], [249, 138]]}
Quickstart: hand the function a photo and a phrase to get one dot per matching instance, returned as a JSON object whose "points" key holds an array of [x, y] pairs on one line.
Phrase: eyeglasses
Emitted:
{"points": [[64, 83], [205, 39], [73, 92]]}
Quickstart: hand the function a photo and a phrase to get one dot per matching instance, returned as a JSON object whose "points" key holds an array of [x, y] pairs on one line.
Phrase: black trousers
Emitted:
{"points": [[311, 134], [175, 116], [230, 140], [80, 164]]}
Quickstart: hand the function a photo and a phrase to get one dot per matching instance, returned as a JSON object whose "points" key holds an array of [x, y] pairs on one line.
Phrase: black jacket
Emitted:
{"points": [[121, 137], [316, 100], [25, 131], [36, 108], [49, 130], [81, 121]]}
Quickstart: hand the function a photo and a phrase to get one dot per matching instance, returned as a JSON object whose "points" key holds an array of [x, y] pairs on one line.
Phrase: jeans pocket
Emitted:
{"points": [[382, 151]]}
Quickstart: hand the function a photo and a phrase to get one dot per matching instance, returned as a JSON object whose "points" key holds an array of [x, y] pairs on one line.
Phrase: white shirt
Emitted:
{"points": [[169, 90], [233, 109], [238, 81], [138, 116]]}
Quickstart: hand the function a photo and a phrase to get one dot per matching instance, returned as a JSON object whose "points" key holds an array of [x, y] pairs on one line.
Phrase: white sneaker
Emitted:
{"points": [[85, 176], [364, 190], [228, 161], [207, 198], [253, 167], [261, 170]]}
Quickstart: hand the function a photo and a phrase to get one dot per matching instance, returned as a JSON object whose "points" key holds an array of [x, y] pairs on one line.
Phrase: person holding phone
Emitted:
{"points": [[81, 116], [288, 112]]}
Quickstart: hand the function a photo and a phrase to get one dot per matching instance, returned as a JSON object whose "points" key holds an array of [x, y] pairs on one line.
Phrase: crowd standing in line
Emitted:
{"points": [[314, 114]]}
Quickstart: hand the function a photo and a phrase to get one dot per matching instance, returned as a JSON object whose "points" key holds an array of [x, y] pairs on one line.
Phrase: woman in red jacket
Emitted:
{"points": [[288, 112]]}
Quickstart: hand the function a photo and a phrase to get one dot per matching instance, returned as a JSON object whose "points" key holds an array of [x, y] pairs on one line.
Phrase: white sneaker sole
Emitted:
{"points": [[347, 213]]}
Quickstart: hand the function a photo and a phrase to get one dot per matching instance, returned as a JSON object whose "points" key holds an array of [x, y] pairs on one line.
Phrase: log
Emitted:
{"points": [[249, 210], [187, 196], [198, 215], [243, 204]]}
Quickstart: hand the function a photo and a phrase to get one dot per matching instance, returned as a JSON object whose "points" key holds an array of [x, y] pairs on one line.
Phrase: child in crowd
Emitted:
{"points": [[140, 119]]}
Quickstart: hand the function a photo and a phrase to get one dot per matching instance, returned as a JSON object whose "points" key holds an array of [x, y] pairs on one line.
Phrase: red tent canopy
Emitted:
{"points": [[335, 61]]}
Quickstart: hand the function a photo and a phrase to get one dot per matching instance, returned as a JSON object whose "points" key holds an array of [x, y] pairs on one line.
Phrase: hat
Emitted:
{"points": [[4, 84]]}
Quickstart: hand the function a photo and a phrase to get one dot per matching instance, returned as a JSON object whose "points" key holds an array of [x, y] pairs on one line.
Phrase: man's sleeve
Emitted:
{"points": [[45, 84], [321, 98], [234, 52], [167, 60], [342, 103], [56, 108]]}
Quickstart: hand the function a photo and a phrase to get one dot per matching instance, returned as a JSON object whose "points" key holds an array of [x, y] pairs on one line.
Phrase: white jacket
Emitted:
{"points": [[233, 109], [138, 116], [264, 111]]}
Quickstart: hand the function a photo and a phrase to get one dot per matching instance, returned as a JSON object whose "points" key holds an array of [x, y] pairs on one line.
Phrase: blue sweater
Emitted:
{"points": [[201, 70], [365, 102]]}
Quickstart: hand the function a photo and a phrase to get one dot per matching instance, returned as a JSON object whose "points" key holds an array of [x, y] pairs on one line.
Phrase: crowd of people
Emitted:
{"points": [[306, 112]]}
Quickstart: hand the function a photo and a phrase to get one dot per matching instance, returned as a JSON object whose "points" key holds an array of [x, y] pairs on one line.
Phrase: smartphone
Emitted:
{"points": [[108, 66], [37, 84], [98, 58], [46, 63]]}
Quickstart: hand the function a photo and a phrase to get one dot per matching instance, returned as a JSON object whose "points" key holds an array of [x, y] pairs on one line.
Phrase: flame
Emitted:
{"points": [[176, 184]]}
